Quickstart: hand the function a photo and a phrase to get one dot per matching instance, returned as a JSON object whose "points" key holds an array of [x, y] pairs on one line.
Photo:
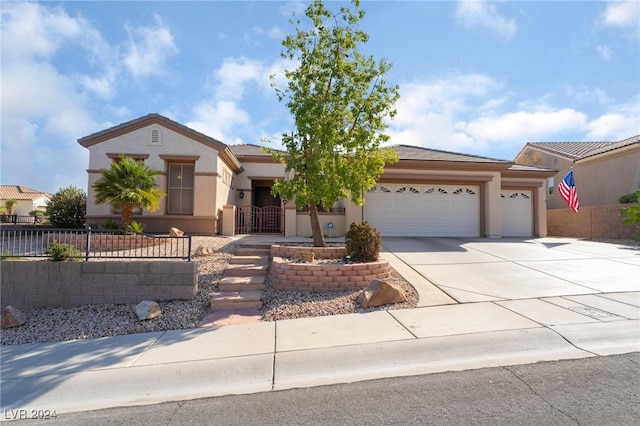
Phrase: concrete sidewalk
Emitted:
{"points": [[575, 312], [185, 364]]}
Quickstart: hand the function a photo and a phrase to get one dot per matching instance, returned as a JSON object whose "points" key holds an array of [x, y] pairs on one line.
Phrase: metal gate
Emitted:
{"points": [[259, 220]]}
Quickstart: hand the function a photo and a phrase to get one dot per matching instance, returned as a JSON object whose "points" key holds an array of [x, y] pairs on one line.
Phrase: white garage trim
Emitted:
{"points": [[424, 210], [517, 213]]}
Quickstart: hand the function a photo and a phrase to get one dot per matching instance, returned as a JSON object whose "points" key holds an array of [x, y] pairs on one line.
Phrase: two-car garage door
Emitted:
{"points": [[424, 210]]}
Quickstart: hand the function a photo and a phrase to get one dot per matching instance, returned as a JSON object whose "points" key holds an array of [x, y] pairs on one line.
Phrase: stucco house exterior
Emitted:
{"points": [[213, 188], [603, 171], [27, 199]]}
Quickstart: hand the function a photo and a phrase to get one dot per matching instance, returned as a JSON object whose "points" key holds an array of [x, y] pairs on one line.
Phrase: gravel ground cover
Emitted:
{"points": [[91, 321]]}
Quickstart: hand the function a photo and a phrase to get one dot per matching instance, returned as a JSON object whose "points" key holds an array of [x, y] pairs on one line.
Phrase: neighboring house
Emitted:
{"points": [[214, 188], [27, 199], [603, 171]]}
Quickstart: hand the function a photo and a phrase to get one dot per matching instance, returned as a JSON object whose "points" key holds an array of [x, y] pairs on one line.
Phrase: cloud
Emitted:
{"points": [[623, 16], [234, 74], [428, 111], [523, 125], [472, 113], [220, 120], [478, 14], [619, 122], [148, 50], [43, 110]]}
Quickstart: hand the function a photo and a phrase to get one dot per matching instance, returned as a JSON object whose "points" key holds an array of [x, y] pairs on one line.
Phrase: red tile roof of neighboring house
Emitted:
{"points": [[18, 192], [580, 150]]}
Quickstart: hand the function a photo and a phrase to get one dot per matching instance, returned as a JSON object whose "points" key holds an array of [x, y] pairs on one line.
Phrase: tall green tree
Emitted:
{"points": [[128, 185], [68, 208], [339, 100]]}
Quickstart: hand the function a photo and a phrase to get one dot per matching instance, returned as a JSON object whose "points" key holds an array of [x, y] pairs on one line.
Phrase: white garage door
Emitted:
{"points": [[517, 213], [424, 210]]}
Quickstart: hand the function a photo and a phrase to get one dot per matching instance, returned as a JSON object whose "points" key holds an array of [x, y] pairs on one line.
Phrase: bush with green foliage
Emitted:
{"points": [[363, 242], [61, 252], [68, 208], [634, 197], [38, 215], [631, 214], [136, 227]]}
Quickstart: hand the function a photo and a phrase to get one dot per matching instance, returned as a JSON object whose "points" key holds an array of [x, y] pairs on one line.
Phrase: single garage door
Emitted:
{"points": [[517, 213], [424, 210]]}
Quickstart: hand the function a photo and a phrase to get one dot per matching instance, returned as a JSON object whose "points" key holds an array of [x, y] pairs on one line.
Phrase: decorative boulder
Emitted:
{"points": [[380, 293], [147, 310], [175, 232], [203, 251], [12, 317]]}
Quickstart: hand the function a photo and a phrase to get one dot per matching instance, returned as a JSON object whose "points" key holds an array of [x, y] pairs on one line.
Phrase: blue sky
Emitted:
{"points": [[477, 77]]}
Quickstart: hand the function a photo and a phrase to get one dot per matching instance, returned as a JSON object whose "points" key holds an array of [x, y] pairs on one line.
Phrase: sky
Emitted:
{"points": [[476, 77]]}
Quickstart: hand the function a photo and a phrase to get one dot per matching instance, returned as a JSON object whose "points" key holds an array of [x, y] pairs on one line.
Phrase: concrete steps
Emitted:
{"points": [[255, 282], [239, 298]]}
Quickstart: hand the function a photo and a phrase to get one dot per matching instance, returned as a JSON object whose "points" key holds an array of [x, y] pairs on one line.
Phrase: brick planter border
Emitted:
{"points": [[288, 276]]}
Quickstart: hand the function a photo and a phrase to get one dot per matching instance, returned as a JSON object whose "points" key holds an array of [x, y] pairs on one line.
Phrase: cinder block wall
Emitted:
{"points": [[40, 284], [590, 222]]}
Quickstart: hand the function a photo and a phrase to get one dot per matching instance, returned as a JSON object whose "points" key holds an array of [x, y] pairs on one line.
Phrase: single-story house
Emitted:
{"points": [[216, 188], [603, 171], [27, 199]]}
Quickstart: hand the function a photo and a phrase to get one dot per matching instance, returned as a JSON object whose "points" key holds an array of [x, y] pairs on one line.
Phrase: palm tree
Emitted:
{"points": [[128, 185], [10, 205]]}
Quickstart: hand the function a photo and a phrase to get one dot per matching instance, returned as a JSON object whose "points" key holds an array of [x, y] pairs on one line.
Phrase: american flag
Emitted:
{"points": [[568, 192]]}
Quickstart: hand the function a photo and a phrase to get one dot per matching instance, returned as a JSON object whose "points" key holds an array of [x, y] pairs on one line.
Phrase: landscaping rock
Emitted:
{"points": [[175, 232], [380, 293], [203, 251], [12, 317], [147, 310], [305, 256]]}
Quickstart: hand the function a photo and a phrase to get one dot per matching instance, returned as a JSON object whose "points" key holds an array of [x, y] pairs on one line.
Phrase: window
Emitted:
{"points": [[181, 193]]}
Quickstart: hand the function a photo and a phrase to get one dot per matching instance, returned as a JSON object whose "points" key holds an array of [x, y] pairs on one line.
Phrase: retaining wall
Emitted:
{"points": [[291, 276], [40, 284]]}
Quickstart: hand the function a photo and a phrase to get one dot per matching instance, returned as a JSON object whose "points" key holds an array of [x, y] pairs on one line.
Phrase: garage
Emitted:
{"points": [[517, 213], [424, 210]]}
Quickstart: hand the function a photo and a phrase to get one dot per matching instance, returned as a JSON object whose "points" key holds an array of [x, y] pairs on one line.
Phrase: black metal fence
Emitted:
{"points": [[18, 220], [93, 244]]}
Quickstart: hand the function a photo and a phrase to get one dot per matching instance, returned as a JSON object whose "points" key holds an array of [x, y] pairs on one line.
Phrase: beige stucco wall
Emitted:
{"points": [[600, 180], [210, 192]]}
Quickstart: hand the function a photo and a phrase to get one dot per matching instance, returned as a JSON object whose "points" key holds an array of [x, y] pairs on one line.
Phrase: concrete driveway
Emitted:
{"points": [[478, 270]]}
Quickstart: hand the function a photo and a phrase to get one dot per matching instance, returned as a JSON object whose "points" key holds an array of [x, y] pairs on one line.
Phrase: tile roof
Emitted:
{"points": [[405, 152], [409, 152], [18, 192], [150, 118], [580, 150], [248, 150]]}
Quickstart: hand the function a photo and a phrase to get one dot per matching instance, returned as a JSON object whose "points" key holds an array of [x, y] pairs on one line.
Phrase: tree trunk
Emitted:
{"points": [[127, 215], [318, 237]]}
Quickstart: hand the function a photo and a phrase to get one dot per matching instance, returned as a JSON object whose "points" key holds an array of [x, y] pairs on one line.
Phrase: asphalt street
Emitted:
{"points": [[593, 391]]}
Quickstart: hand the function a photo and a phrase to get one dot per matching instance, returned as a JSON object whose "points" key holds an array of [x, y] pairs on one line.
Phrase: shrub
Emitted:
{"points": [[38, 215], [59, 252], [68, 208], [630, 198], [363, 242], [112, 225], [136, 227], [631, 215]]}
